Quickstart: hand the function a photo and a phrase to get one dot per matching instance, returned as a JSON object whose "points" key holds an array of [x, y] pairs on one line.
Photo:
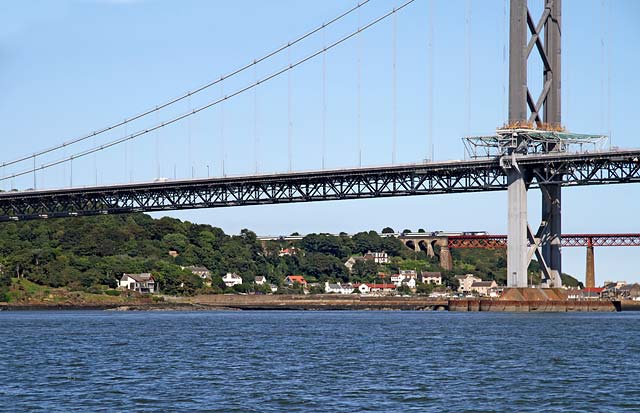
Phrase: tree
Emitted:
{"points": [[365, 270], [424, 289], [324, 266], [388, 230], [174, 241], [404, 290], [324, 244]]}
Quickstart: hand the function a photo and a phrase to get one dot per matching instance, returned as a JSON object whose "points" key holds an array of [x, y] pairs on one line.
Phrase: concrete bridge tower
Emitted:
{"points": [[523, 111]]}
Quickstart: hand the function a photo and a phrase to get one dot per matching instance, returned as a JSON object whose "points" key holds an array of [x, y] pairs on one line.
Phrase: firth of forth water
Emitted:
{"points": [[319, 361]]}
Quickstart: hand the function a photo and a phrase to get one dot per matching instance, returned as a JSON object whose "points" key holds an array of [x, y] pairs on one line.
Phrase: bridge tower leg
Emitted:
{"points": [[517, 249], [551, 199], [523, 109]]}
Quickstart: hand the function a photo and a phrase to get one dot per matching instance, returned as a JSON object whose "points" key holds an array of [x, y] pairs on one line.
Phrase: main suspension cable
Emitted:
{"points": [[187, 94], [215, 102]]}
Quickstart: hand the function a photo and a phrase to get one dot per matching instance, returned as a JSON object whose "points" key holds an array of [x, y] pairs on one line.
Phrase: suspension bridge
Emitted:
{"points": [[531, 151]]}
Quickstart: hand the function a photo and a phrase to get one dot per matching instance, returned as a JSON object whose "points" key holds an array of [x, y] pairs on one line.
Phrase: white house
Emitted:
{"points": [[428, 277], [337, 288], [142, 283], [375, 288], [466, 281], [260, 280], [409, 273], [231, 279], [397, 278], [409, 282], [377, 257]]}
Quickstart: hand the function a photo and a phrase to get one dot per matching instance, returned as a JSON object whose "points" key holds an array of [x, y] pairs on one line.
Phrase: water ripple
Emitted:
{"points": [[318, 361]]}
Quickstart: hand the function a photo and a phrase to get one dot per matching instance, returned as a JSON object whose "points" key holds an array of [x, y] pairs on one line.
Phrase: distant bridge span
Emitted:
{"points": [[428, 242], [568, 240]]}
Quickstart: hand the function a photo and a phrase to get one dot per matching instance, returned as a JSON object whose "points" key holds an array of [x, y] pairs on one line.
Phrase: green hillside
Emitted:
{"points": [[90, 254]]}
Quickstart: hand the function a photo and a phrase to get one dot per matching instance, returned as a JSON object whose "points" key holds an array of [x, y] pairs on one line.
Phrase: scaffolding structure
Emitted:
{"points": [[526, 141]]}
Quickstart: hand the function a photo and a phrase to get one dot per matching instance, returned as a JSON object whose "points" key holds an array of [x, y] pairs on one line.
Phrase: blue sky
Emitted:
{"points": [[70, 67]]}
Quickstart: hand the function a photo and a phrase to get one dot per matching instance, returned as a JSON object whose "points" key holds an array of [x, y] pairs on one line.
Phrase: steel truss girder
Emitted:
{"points": [[406, 180], [568, 240]]}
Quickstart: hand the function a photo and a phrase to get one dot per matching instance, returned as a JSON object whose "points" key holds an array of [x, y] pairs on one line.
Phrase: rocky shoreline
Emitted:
{"points": [[319, 302]]}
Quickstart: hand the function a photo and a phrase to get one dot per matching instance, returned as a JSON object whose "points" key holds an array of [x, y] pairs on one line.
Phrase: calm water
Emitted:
{"points": [[319, 361]]}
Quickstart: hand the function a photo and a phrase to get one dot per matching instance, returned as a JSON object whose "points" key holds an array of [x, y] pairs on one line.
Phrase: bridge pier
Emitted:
{"points": [[446, 260], [590, 278], [517, 249]]}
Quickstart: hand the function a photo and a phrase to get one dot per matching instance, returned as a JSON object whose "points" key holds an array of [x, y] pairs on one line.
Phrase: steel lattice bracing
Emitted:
{"points": [[568, 240], [405, 180]]}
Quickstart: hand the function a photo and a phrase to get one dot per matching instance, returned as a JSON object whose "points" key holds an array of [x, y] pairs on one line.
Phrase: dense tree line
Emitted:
{"points": [[93, 252]]}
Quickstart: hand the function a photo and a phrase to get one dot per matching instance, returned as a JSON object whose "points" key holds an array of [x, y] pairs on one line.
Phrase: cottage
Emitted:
{"points": [[230, 279], [377, 257], [483, 287], [396, 279], [351, 262], [465, 282], [374, 288], [288, 251], [142, 283], [337, 288], [428, 277], [409, 273], [260, 280], [202, 272], [290, 280], [332, 288]]}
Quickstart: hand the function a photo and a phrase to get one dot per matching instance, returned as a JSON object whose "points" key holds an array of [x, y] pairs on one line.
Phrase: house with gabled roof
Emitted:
{"points": [[291, 280], [231, 278], [483, 287], [431, 277], [202, 272], [142, 283], [465, 282]]}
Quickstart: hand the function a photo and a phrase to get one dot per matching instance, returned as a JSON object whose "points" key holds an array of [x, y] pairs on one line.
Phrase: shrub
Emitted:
{"points": [[114, 293]]}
